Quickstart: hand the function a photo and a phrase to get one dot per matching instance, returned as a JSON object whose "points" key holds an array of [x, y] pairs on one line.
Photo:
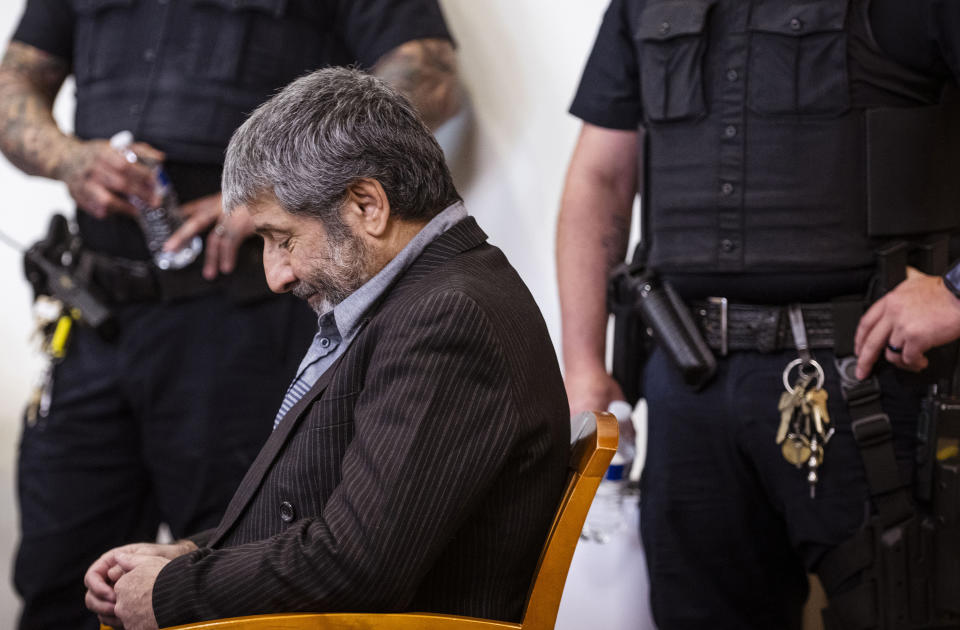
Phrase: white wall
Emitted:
{"points": [[520, 62]]}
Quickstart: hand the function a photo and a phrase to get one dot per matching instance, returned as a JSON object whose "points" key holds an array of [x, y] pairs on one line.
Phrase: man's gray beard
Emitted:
{"points": [[336, 275]]}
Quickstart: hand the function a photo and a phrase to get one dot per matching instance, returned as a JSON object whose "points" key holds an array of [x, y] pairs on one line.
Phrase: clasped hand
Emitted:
{"points": [[120, 583]]}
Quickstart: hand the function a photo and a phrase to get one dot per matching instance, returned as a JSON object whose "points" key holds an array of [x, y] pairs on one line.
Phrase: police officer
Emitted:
{"points": [[774, 144], [162, 422]]}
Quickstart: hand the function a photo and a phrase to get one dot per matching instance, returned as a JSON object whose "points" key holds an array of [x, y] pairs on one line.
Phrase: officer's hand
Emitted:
{"points": [[100, 179], [591, 390], [223, 241], [919, 314]]}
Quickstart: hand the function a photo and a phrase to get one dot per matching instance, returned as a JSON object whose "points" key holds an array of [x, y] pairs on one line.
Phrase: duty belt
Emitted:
{"points": [[730, 326], [125, 280]]}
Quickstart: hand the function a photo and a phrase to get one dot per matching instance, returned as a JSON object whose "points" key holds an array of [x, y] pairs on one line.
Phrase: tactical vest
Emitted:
{"points": [[184, 74], [780, 137]]}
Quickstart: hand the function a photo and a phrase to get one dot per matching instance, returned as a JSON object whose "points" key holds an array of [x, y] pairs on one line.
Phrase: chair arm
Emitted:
{"points": [[349, 621]]}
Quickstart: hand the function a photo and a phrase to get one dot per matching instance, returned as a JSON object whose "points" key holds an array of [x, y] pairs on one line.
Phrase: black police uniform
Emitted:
{"points": [[761, 121], [162, 423]]}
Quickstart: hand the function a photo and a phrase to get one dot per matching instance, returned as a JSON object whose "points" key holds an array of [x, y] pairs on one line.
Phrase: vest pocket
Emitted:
{"points": [[102, 30], [671, 44], [237, 40], [798, 58]]}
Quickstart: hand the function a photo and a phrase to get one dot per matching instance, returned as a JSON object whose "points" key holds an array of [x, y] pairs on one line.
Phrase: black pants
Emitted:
{"points": [[159, 425], [729, 527]]}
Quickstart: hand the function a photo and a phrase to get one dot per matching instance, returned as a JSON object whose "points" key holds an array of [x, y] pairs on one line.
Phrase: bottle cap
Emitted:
{"points": [[122, 139], [614, 472]]}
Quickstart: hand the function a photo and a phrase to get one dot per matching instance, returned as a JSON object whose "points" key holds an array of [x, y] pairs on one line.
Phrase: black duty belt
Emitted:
{"points": [[125, 280], [729, 326]]}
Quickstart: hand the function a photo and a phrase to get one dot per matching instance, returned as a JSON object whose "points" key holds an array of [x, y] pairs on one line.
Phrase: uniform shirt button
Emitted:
{"points": [[664, 28], [732, 75], [730, 131], [286, 512], [795, 24], [135, 110], [727, 245], [149, 54], [726, 188]]}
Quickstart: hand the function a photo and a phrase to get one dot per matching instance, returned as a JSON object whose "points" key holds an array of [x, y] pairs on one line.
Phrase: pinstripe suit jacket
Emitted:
{"points": [[420, 473]]}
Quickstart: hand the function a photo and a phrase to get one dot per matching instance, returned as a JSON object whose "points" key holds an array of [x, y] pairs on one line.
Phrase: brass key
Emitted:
{"points": [[787, 408], [796, 449], [789, 402], [817, 399]]}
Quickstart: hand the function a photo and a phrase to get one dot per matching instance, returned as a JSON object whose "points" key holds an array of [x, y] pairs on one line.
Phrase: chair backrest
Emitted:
{"points": [[590, 455]]}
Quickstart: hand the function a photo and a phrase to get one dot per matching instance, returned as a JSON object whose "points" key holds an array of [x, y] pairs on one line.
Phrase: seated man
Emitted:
{"points": [[420, 454]]}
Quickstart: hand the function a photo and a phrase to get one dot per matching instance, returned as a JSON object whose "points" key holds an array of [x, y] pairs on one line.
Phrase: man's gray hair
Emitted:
{"points": [[327, 129]]}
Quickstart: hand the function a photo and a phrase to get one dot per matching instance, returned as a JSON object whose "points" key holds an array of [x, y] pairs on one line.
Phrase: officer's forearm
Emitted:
{"points": [[592, 234], [29, 135], [425, 70]]}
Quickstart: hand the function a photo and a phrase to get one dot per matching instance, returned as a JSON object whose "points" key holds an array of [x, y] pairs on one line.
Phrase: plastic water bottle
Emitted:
{"points": [[158, 222], [607, 516]]}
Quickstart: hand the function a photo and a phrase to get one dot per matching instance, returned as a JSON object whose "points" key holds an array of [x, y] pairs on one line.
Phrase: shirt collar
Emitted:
{"points": [[348, 313]]}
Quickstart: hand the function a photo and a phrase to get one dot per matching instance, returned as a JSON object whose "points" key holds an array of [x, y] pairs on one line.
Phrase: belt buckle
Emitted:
{"points": [[722, 303]]}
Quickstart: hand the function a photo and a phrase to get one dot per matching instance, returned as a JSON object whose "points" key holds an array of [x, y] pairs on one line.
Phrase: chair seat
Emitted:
{"points": [[351, 621]]}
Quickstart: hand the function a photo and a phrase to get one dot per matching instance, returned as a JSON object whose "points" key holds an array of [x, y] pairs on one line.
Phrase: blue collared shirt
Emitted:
{"points": [[338, 327]]}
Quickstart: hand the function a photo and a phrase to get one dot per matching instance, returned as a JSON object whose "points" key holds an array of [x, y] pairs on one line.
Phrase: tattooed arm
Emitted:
{"points": [[96, 176], [425, 70], [29, 136], [592, 234]]}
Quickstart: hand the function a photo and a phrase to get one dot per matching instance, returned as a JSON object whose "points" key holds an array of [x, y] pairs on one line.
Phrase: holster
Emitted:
{"points": [[645, 308], [632, 340]]}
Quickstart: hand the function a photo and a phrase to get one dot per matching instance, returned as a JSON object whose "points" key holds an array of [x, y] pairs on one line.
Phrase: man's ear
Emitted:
{"points": [[367, 207]]}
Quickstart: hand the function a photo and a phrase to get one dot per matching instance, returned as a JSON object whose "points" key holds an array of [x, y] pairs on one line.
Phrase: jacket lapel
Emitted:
{"points": [[271, 449], [461, 237]]}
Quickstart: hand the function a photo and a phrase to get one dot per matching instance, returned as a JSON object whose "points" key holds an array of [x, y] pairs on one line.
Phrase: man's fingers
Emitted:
{"points": [[95, 581], [101, 202], [115, 573], [871, 347], [99, 606], [211, 260], [229, 246], [190, 228], [145, 150], [200, 214], [111, 180], [130, 561], [137, 178], [867, 322], [912, 357]]}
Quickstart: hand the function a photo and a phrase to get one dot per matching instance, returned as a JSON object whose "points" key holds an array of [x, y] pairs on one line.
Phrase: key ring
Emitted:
{"points": [[804, 364]]}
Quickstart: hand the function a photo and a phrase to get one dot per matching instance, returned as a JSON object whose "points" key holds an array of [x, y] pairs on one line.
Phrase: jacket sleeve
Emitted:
{"points": [[434, 426]]}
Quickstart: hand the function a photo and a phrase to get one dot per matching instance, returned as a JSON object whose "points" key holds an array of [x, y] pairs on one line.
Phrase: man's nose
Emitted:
{"points": [[279, 273]]}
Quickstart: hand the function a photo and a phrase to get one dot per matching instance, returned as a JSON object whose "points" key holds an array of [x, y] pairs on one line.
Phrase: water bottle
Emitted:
{"points": [[158, 222], [607, 516]]}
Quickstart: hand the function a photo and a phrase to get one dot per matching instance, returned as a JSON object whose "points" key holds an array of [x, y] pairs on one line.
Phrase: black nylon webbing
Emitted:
{"points": [[874, 436]]}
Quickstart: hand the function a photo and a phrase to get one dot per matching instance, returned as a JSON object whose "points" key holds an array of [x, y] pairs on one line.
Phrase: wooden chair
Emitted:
{"points": [[590, 454]]}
